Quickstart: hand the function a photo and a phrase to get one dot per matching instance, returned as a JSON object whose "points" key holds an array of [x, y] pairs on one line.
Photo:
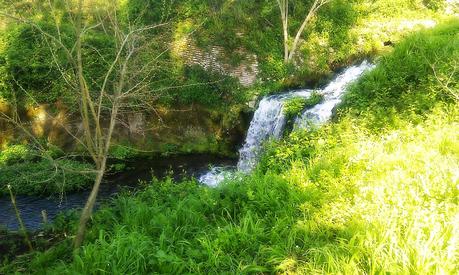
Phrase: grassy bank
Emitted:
{"points": [[360, 203], [225, 35], [31, 172], [374, 192], [342, 32]]}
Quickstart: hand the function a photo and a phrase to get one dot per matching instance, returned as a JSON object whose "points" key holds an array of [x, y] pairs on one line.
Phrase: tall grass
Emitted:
{"points": [[395, 198], [409, 82], [363, 203]]}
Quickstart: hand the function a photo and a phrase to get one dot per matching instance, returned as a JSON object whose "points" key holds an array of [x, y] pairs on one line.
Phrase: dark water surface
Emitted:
{"points": [[178, 167]]}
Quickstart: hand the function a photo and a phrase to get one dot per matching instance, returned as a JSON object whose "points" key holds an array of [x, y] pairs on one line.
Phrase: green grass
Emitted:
{"points": [[342, 32], [361, 203], [409, 82], [45, 177], [295, 105], [394, 196]]}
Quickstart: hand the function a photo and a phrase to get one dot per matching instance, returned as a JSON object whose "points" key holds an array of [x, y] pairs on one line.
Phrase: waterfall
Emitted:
{"points": [[332, 94], [269, 120]]}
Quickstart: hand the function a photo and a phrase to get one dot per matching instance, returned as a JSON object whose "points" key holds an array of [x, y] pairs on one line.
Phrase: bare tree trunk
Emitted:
{"points": [[283, 6], [130, 82], [289, 51], [311, 12], [89, 206]]}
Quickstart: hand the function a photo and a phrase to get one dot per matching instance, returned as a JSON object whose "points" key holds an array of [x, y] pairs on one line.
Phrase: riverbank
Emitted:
{"points": [[134, 172], [329, 211], [61, 210]]}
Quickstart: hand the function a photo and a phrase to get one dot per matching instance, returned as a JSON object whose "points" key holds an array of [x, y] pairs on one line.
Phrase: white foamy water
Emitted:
{"points": [[269, 120], [216, 175], [332, 93]]}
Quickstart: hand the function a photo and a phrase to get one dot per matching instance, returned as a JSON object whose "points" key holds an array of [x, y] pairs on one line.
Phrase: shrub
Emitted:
{"points": [[29, 63], [121, 152], [314, 99], [293, 106], [45, 177]]}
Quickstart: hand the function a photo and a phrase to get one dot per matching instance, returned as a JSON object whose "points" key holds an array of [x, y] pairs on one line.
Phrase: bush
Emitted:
{"points": [[28, 62], [33, 71], [293, 106], [121, 152], [45, 177]]}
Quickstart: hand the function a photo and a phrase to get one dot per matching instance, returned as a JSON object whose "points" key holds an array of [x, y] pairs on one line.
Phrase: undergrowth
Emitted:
{"points": [[360, 203]]}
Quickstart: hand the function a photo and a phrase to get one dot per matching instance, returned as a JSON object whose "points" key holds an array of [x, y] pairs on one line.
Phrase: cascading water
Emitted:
{"points": [[332, 94], [269, 120]]}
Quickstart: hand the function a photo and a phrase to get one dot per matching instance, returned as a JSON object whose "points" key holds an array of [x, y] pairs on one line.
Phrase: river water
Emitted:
{"points": [[178, 167]]}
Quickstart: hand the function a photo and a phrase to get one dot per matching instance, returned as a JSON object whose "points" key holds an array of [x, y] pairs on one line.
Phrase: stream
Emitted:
{"points": [[178, 167]]}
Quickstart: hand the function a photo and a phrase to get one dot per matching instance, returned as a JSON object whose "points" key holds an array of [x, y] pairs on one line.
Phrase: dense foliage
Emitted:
{"points": [[34, 65], [336, 213], [341, 32], [364, 194], [295, 105]]}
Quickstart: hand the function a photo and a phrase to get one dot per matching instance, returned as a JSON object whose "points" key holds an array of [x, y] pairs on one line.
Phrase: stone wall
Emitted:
{"points": [[211, 59], [187, 129], [193, 129]]}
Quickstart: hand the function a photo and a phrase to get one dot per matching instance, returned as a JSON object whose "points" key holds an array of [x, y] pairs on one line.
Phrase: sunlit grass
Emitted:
{"points": [[395, 199], [361, 204]]}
